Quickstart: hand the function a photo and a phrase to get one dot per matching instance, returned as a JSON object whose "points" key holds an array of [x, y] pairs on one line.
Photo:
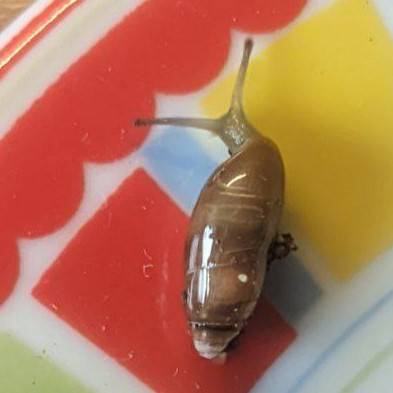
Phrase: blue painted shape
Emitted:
{"points": [[179, 163], [291, 289]]}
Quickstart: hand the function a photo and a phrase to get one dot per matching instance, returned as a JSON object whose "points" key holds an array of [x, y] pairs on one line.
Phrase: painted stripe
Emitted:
{"points": [[18, 24], [328, 319], [368, 370], [36, 28], [366, 316]]}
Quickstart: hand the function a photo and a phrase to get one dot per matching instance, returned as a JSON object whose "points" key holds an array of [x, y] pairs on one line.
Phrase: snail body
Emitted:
{"points": [[233, 227], [233, 224]]}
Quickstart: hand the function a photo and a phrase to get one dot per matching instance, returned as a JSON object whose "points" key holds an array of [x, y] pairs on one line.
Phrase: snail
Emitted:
{"points": [[233, 233]]}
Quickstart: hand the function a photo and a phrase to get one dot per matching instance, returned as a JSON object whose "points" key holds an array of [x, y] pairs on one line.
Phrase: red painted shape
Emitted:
{"points": [[164, 45], [40, 191], [119, 283], [9, 266]]}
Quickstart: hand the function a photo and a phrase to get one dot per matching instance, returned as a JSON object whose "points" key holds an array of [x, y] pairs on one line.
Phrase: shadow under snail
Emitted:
{"points": [[233, 233]]}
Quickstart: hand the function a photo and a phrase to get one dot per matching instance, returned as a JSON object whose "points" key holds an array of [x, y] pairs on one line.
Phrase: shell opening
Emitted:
{"points": [[211, 341]]}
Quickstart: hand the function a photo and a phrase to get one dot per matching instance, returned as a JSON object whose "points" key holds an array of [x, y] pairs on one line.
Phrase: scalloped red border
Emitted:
{"points": [[164, 45]]}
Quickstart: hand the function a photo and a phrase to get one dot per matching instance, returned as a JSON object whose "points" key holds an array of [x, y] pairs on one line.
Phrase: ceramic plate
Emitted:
{"points": [[94, 212]]}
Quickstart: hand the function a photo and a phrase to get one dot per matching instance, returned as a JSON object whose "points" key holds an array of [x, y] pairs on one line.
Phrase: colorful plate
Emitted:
{"points": [[93, 212]]}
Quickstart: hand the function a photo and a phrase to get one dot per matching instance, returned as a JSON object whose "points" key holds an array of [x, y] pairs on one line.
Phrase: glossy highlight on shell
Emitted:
{"points": [[233, 230]]}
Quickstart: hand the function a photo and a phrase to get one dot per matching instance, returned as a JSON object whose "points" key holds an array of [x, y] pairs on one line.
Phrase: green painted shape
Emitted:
{"points": [[369, 369], [23, 371]]}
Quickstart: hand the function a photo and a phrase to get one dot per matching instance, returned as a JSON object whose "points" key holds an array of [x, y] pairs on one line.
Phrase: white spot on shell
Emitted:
{"points": [[243, 278]]}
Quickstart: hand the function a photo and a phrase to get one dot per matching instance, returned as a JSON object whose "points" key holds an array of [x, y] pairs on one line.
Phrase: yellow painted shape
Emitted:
{"points": [[324, 93]]}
